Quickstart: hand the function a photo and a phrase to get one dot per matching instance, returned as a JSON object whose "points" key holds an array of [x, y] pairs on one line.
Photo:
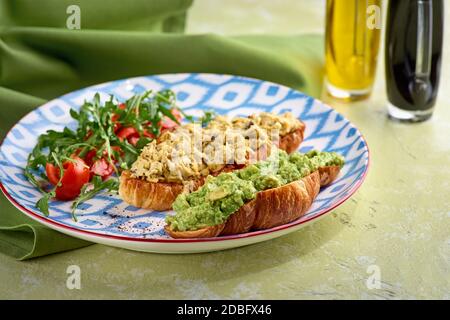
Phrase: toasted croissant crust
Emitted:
{"points": [[241, 221], [328, 174], [272, 207], [209, 232], [149, 195], [157, 196], [291, 141], [287, 203], [161, 195]]}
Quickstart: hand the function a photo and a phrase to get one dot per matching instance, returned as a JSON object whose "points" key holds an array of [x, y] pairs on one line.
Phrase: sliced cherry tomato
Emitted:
{"points": [[75, 176], [102, 168], [88, 135], [148, 134], [167, 123], [52, 173], [177, 114], [113, 148], [117, 126], [133, 140], [89, 157], [115, 117], [127, 132]]}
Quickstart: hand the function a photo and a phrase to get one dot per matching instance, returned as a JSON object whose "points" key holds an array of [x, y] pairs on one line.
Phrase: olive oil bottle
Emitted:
{"points": [[351, 47]]}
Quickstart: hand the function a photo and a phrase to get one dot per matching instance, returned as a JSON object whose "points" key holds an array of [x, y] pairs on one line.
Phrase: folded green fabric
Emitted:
{"points": [[43, 60], [133, 15]]}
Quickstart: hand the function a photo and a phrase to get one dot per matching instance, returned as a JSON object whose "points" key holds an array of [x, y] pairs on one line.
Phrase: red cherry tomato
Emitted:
{"points": [[115, 117], [117, 126], [89, 157], [167, 123], [88, 135], [127, 132], [133, 140], [148, 134], [75, 176], [177, 114], [52, 173], [102, 168]]}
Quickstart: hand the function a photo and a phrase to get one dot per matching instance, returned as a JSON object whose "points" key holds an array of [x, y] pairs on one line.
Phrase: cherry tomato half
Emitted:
{"points": [[89, 157], [133, 140], [115, 116], [148, 134], [129, 133], [117, 126], [52, 173], [102, 168], [75, 176], [167, 123]]}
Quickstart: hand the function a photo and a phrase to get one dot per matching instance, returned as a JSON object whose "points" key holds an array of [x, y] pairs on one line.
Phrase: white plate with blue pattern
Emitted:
{"points": [[108, 220]]}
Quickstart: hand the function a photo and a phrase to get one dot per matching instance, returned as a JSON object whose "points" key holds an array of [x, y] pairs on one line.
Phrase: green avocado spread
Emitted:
{"points": [[223, 195]]}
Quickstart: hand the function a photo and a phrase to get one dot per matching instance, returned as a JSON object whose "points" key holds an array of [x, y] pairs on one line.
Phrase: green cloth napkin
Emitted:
{"points": [[40, 59]]}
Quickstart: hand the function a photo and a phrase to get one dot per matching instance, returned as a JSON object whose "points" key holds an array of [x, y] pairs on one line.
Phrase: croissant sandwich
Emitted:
{"points": [[263, 195], [180, 160]]}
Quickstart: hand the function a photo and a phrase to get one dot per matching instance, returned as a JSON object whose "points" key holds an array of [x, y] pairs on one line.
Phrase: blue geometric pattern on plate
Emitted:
{"points": [[107, 214]]}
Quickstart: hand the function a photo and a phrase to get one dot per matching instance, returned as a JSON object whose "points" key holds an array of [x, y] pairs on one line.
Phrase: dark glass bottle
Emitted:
{"points": [[413, 57]]}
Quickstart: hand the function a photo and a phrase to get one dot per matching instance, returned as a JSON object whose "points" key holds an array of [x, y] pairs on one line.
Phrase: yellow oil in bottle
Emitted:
{"points": [[352, 44]]}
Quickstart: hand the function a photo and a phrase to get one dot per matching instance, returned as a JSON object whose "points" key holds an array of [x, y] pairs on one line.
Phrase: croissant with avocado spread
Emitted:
{"points": [[261, 196]]}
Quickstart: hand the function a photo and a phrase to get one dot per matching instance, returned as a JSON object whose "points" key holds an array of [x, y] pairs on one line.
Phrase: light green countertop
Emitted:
{"points": [[397, 223]]}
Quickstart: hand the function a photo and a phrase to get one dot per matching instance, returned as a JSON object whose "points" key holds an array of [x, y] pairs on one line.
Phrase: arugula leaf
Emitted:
{"points": [[42, 203], [142, 142], [207, 117], [98, 185], [169, 114]]}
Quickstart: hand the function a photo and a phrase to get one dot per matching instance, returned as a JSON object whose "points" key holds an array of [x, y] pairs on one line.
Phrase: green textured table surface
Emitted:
{"points": [[397, 223]]}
